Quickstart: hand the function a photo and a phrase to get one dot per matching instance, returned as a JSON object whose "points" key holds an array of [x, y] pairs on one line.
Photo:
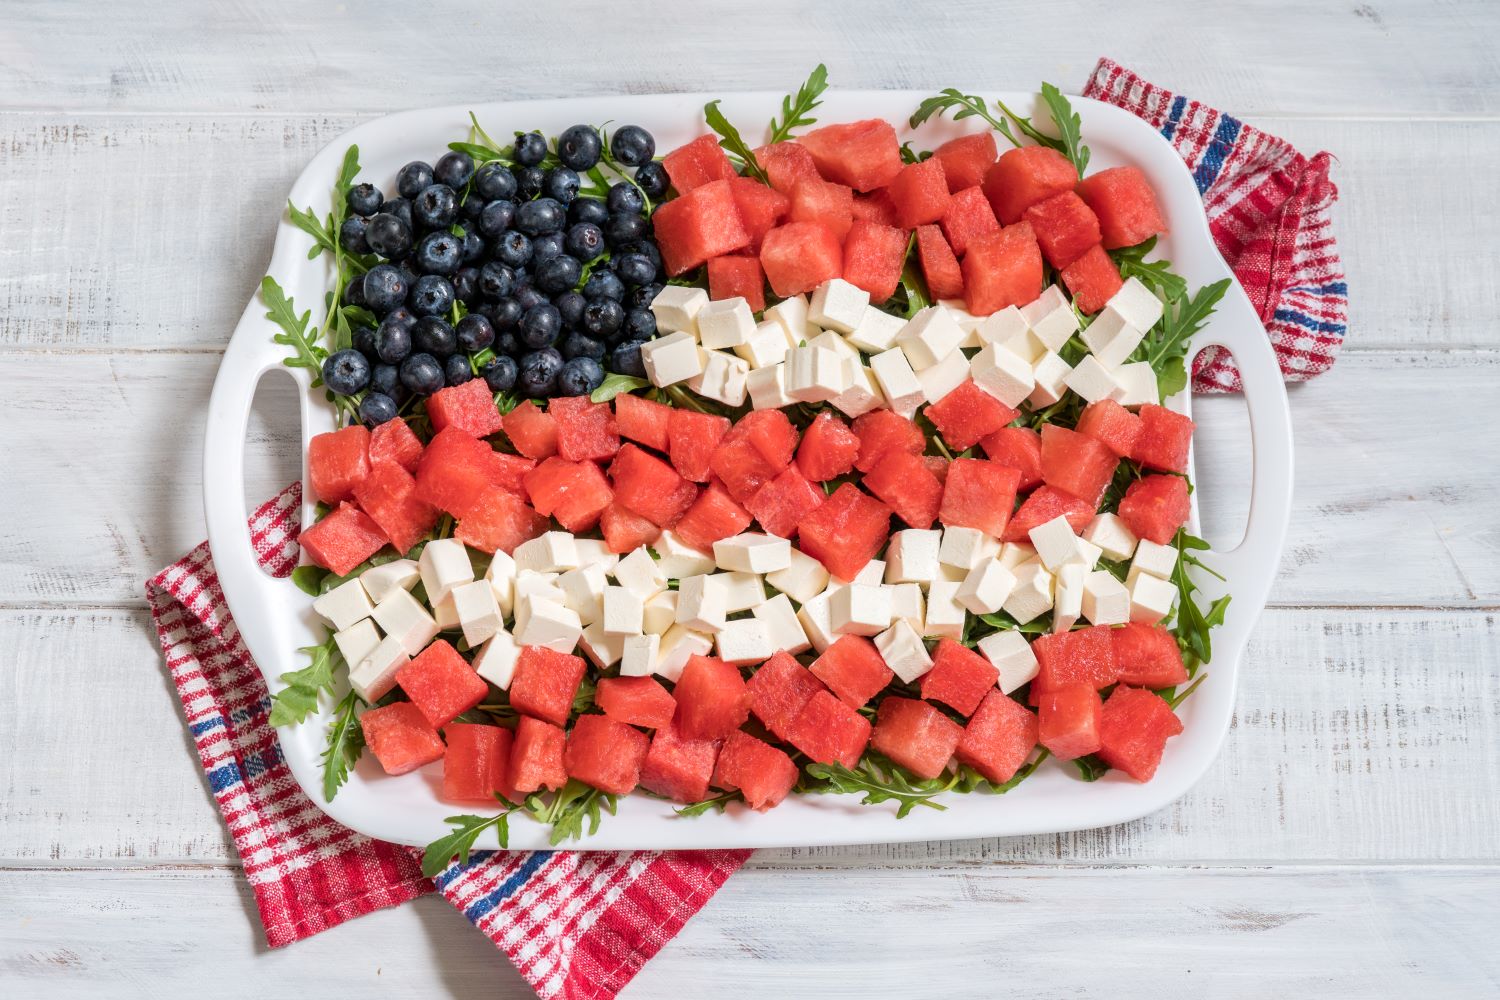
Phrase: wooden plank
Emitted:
{"points": [[199, 239], [1356, 737], [1337, 932]]}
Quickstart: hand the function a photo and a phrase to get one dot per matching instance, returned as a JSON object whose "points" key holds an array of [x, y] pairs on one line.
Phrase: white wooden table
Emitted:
{"points": [[1345, 843]]}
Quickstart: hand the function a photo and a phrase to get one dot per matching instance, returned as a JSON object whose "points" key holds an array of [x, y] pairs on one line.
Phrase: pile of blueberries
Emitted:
{"points": [[556, 288]]}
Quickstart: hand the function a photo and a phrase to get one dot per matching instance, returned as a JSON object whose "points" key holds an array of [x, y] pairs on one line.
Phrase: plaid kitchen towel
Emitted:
{"points": [[1268, 209], [575, 924]]}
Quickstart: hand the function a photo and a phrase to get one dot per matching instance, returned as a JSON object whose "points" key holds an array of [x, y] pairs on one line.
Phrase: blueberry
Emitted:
{"points": [[584, 241], [635, 269], [558, 274], [625, 199], [500, 373], [439, 253], [544, 215], [496, 218], [408, 271], [473, 248], [474, 333], [561, 184], [546, 246], [434, 336], [363, 338], [435, 207], [466, 285], [625, 358], [528, 297], [539, 372], [587, 210], [393, 342], [640, 324], [454, 169], [514, 249], [624, 229], [652, 179], [529, 182], [603, 284], [346, 372], [399, 207], [401, 316], [421, 374], [363, 199], [354, 291], [570, 306], [494, 181], [457, 370], [509, 344], [389, 235], [530, 148], [496, 280], [646, 247], [431, 296], [579, 345], [387, 379], [540, 326], [641, 298], [602, 317], [377, 408], [632, 145], [504, 314], [385, 288], [579, 377], [470, 208], [579, 147], [352, 235], [412, 178]]}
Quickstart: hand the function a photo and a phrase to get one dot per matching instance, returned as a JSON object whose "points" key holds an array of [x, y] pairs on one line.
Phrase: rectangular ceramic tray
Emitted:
{"points": [[276, 618]]}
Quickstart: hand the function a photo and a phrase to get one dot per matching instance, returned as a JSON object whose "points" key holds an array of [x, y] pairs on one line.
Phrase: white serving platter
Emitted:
{"points": [[275, 618]]}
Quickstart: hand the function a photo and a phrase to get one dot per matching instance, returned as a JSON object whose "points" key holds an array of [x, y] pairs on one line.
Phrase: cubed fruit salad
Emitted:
{"points": [[880, 494]]}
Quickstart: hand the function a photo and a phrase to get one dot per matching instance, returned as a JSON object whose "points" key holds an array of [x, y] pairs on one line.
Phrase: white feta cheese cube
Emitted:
{"points": [[496, 662], [550, 623], [908, 603], [583, 591], [1105, 599], [1137, 382], [1051, 318], [898, 383], [444, 564], [1026, 347], [953, 574], [1050, 375], [753, 552], [701, 604], [592, 552], [1157, 560], [549, 552], [725, 323], [1003, 326], [792, 314], [967, 321], [1009, 653], [1013, 554], [1119, 348], [765, 346], [816, 617], [1086, 553], [742, 591], [943, 377], [502, 577], [863, 394], [876, 331], [945, 616], [802, 580], [831, 341], [814, 374], [624, 612], [380, 580], [344, 605], [357, 641], [837, 305], [873, 573], [1109, 532], [1136, 304], [603, 649], [904, 651], [1106, 326], [638, 573], [530, 583], [744, 641], [678, 558], [660, 612], [986, 587], [965, 548], [1091, 380], [724, 377], [1002, 374], [1055, 543], [1151, 599], [782, 625], [676, 647], [403, 618], [478, 612], [929, 337], [767, 387], [445, 613], [373, 676], [912, 556], [676, 308], [1032, 593], [1067, 597], [672, 358], [861, 609], [639, 655]]}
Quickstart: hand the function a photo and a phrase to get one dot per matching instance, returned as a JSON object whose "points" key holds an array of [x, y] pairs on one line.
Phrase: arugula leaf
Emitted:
{"points": [[1090, 767], [1069, 126], [1156, 275], [910, 155], [1179, 697], [796, 111], [460, 842], [348, 170], [615, 384], [882, 782], [1166, 346], [913, 283], [730, 140], [299, 698], [294, 330], [308, 579], [1193, 625], [575, 805], [346, 741], [963, 106], [620, 171], [953, 101], [717, 803], [322, 235]]}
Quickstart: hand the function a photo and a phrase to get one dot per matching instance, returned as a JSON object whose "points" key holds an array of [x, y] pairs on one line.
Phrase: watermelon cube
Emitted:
{"points": [[1018, 448], [470, 407], [576, 493], [677, 767], [714, 515], [875, 207], [389, 495], [761, 208], [968, 217], [1065, 228], [1093, 279], [1133, 731], [1044, 504], [940, 269], [828, 448], [1126, 206], [743, 467], [457, 469], [1155, 507], [979, 494], [966, 159], [799, 256], [605, 754], [585, 430], [1164, 440], [697, 163], [786, 163], [1024, 176], [920, 193], [863, 154], [761, 773], [846, 531], [636, 701], [393, 441], [477, 764], [1068, 721], [938, 466], [999, 738], [1083, 656], [337, 461], [691, 440], [733, 276], [532, 430], [1148, 655], [647, 486], [1076, 463], [400, 737], [967, 414], [772, 434], [642, 420], [874, 255], [829, 731], [959, 678], [781, 504], [624, 530], [1002, 269], [545, 683], [853, 669], [343, 539], [779, 689], [816, 200], [702, 224], [906, 484], [712, 699], [881, 432], [441, 683], [916, 736], [1111, 425], [499, 521], [536, 756]]}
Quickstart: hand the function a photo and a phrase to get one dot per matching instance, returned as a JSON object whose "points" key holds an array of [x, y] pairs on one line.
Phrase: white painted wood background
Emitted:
{"points": [[1345, 843]]}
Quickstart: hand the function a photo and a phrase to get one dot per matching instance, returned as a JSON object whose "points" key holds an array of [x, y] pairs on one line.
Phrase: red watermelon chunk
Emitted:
{"points": [[846, 531], [761, 208], [999, 738], [400, 737], [915, 736], [343, 539], [691, 440], [786, 163], [829, 731], [938, 466], [624, 530], [1155, 507], [1002, 269], [712, 700], [697, 163], [337, 462], [643, 420], [498, 522], [754, 451], [771, 433], [733, 276], [874, 255], [1065, 228], [979, 494], [967, 414], [831, 205], [650, 487], [781, 504], [800, 256], [1126, 206], [1018, 448], [536, 757], [441, 683], [881, 432], [1165, 437], [863, 154], [1068, 721], [945, 279], [910, 488], [714, 515], [605, 754], [1111, 425], [636, 701], [966, 159], [389, 495], [875, 207], [576, 493], [1148, 655], [1133, 731], [477, 763], [968, 217], [1024, 176], [470, 407], [920, 193], [1083, 656], [959, 677], [761, 773], [853, 669], [828, 448], [702, 224], [779, 689], [585, 430], [1076, 463], [393, 441], [545, 683], [457, 469], [532, 430], [677, 767], [509, 471], [1044, 504], [1093, 279]]}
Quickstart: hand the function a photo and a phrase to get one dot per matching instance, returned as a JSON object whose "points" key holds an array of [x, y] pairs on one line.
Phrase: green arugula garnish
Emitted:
{"points": [[295, 333], [880, 781], [732, 142], [1156, 275], [619, 169], [1166, 346], [346, 741], [1090, 767], [1193, 625], [961, 106], [571, 807], [615, 384], [796, 111], [309, 579], [717, 804], [299, 698], [460, 842], [1180, 696]]}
